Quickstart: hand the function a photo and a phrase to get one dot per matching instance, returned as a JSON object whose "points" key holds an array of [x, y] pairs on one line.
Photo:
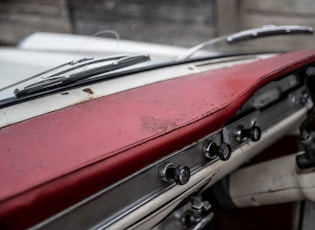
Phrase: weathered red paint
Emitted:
{"points": [[51, 162]]}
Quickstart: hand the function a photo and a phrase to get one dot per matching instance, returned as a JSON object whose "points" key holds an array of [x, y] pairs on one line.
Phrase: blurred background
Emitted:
{"points": [[176, 22]]}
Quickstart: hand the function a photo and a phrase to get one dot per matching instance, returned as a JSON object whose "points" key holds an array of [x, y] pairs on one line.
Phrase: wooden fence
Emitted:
{"points": [[180, 22], [184, 21]]}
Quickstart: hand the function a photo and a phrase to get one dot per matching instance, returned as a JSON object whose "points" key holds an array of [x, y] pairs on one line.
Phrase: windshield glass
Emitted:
{"points": [[48, 33]]}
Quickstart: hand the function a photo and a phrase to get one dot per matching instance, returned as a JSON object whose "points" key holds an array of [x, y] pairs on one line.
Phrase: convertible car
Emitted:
{"points": [[141, 138]]}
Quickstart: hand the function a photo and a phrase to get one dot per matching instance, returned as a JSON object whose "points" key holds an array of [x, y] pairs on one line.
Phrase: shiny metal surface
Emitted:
{"points": [[264, 118]]}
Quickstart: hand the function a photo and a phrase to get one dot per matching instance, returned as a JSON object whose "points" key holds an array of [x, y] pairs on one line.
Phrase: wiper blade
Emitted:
{"points": [[76, 71], [270, 30]]}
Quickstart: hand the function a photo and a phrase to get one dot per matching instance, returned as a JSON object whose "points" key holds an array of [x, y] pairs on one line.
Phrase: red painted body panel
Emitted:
{"points": [[50, 162]]}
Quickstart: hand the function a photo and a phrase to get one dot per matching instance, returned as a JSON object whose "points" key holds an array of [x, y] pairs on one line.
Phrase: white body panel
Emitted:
{"points": [[275, 181], [39, 106]]}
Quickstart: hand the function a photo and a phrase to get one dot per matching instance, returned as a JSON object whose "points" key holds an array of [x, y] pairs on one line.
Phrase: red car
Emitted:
{"points": [[203, 140]]}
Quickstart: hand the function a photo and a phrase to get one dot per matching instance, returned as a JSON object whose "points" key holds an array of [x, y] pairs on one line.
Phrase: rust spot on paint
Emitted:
{"points": [[254, 201], [88, 90], [64, 93], [156, 125]]}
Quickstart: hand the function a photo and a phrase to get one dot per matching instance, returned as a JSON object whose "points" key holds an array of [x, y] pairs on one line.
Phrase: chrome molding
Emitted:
{"points": [[125, 204]]}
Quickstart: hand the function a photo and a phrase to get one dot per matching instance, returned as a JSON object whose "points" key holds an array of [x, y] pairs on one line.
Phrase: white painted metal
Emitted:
{"points": [[100, 45], [36, 107], [271, 182]]}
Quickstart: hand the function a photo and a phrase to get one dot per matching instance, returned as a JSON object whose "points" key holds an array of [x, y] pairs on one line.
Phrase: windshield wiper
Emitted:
{"points": [[270, 30], [75, 71]]}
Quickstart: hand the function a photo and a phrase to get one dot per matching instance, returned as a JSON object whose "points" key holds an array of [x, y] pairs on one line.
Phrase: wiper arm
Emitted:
{"points": [[270, 30], [76, 71]]}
